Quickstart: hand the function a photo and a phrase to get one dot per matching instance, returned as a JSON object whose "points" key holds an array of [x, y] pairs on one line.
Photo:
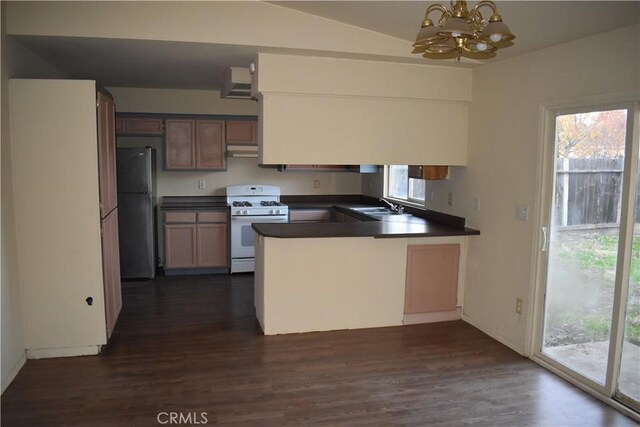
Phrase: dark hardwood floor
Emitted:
{"points": [[192, 345]]}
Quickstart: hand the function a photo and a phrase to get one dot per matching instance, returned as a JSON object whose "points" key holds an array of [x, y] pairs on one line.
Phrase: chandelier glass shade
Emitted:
{"points": [[462, 32]]}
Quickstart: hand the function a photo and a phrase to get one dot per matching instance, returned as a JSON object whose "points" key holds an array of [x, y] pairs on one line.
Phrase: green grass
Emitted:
{"points": [[597, 255]]}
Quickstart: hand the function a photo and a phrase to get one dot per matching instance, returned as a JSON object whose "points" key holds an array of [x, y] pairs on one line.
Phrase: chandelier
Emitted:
{"points": [[462, 32]]}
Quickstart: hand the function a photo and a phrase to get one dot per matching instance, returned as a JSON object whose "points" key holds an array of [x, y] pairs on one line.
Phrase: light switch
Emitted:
{"points": [[201, 184]]}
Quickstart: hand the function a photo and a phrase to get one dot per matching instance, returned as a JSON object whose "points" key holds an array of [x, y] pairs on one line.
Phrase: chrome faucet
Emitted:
{"points": [[399, 209]]}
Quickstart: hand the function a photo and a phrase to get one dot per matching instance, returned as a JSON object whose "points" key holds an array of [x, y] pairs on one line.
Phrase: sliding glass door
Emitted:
{"points": [[591, 251]]}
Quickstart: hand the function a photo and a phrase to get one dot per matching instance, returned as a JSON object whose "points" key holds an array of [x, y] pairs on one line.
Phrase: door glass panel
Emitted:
{"points": [[629, 379], [584, 235]]}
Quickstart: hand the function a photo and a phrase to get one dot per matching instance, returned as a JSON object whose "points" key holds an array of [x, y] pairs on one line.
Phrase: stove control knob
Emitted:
{"points": [[277, 212], [272, 212], [245, 212]]}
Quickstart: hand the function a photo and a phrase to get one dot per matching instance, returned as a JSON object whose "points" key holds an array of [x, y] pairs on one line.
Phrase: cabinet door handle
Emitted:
{"points": [[545, 240]]}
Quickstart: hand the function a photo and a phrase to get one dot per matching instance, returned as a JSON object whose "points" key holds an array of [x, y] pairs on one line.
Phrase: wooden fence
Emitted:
{"points": [[588, 192]]}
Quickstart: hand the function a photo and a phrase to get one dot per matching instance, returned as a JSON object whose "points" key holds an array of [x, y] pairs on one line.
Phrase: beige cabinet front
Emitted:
{"points": [[432, 278]]}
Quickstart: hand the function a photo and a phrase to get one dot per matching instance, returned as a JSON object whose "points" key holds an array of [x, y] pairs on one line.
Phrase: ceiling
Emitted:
{"points": [[138, 63]]}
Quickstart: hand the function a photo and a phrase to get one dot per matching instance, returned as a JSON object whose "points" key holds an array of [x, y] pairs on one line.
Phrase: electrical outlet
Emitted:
{"points": [[521, 212], [450, 199], [316, 183], [201, 184], [519, 305]]}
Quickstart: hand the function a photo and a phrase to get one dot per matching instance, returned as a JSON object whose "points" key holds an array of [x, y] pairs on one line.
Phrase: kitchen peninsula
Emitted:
{"points": [[378, 272]]}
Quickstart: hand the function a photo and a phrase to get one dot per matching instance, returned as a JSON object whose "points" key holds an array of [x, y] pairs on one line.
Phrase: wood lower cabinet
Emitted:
{"points": [[195, 144], [196, 240], [180, 243], [212, 245], [241, 132], [111, 270], [432, 278]]}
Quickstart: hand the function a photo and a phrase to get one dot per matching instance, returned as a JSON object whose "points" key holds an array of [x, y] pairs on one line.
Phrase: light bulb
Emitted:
{"points": [[495, 37], [481, 46]]}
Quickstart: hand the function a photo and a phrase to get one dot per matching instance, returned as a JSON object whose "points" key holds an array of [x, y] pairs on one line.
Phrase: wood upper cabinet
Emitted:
{"points": [[196, 239], [143, 126], [210, 145], [180, 150], [241, 132], [432, 278], [428, 172], [195, 144], [106, 154]]}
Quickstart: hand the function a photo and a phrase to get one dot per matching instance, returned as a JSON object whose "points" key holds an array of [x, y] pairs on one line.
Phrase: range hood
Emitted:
{"points": [[242, 151], [237, 84]]}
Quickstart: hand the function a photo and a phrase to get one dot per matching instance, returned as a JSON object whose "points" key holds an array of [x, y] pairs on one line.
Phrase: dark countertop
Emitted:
{"points": [[193, 202], [420, 224], [417, 227]]}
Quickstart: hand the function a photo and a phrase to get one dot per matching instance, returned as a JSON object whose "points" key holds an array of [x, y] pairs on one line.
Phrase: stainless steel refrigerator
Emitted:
{"points": [[137, 213]]}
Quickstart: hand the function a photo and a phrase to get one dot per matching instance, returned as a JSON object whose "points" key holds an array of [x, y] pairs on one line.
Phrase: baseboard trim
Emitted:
{"points": [[492, 334], [47, 353], [440, 316], [6, 381]]}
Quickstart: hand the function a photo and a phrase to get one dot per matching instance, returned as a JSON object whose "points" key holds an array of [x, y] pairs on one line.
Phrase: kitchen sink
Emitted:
{"points": [[372, 210], [378, 211]]}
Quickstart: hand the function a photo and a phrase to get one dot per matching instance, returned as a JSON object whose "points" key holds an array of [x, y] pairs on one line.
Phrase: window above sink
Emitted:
{"points": [[401, 187]]}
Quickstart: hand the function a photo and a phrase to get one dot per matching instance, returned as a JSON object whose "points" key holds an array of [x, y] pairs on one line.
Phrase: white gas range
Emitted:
{"points": [[251, 203]]}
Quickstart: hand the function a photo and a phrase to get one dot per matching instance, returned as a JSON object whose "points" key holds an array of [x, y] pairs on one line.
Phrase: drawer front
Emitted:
{"points": [[182, 217], [212, 216]]}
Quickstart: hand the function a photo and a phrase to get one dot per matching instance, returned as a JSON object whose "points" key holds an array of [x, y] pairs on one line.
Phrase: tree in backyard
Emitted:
{"points": [[599, 134]]}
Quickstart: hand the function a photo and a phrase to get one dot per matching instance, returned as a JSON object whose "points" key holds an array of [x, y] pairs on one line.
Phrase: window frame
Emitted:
{"points": [[419, 203]]}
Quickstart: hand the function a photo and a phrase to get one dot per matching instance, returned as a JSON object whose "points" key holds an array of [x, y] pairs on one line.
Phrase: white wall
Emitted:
{"points": [[13, 355], [504, 147]]}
